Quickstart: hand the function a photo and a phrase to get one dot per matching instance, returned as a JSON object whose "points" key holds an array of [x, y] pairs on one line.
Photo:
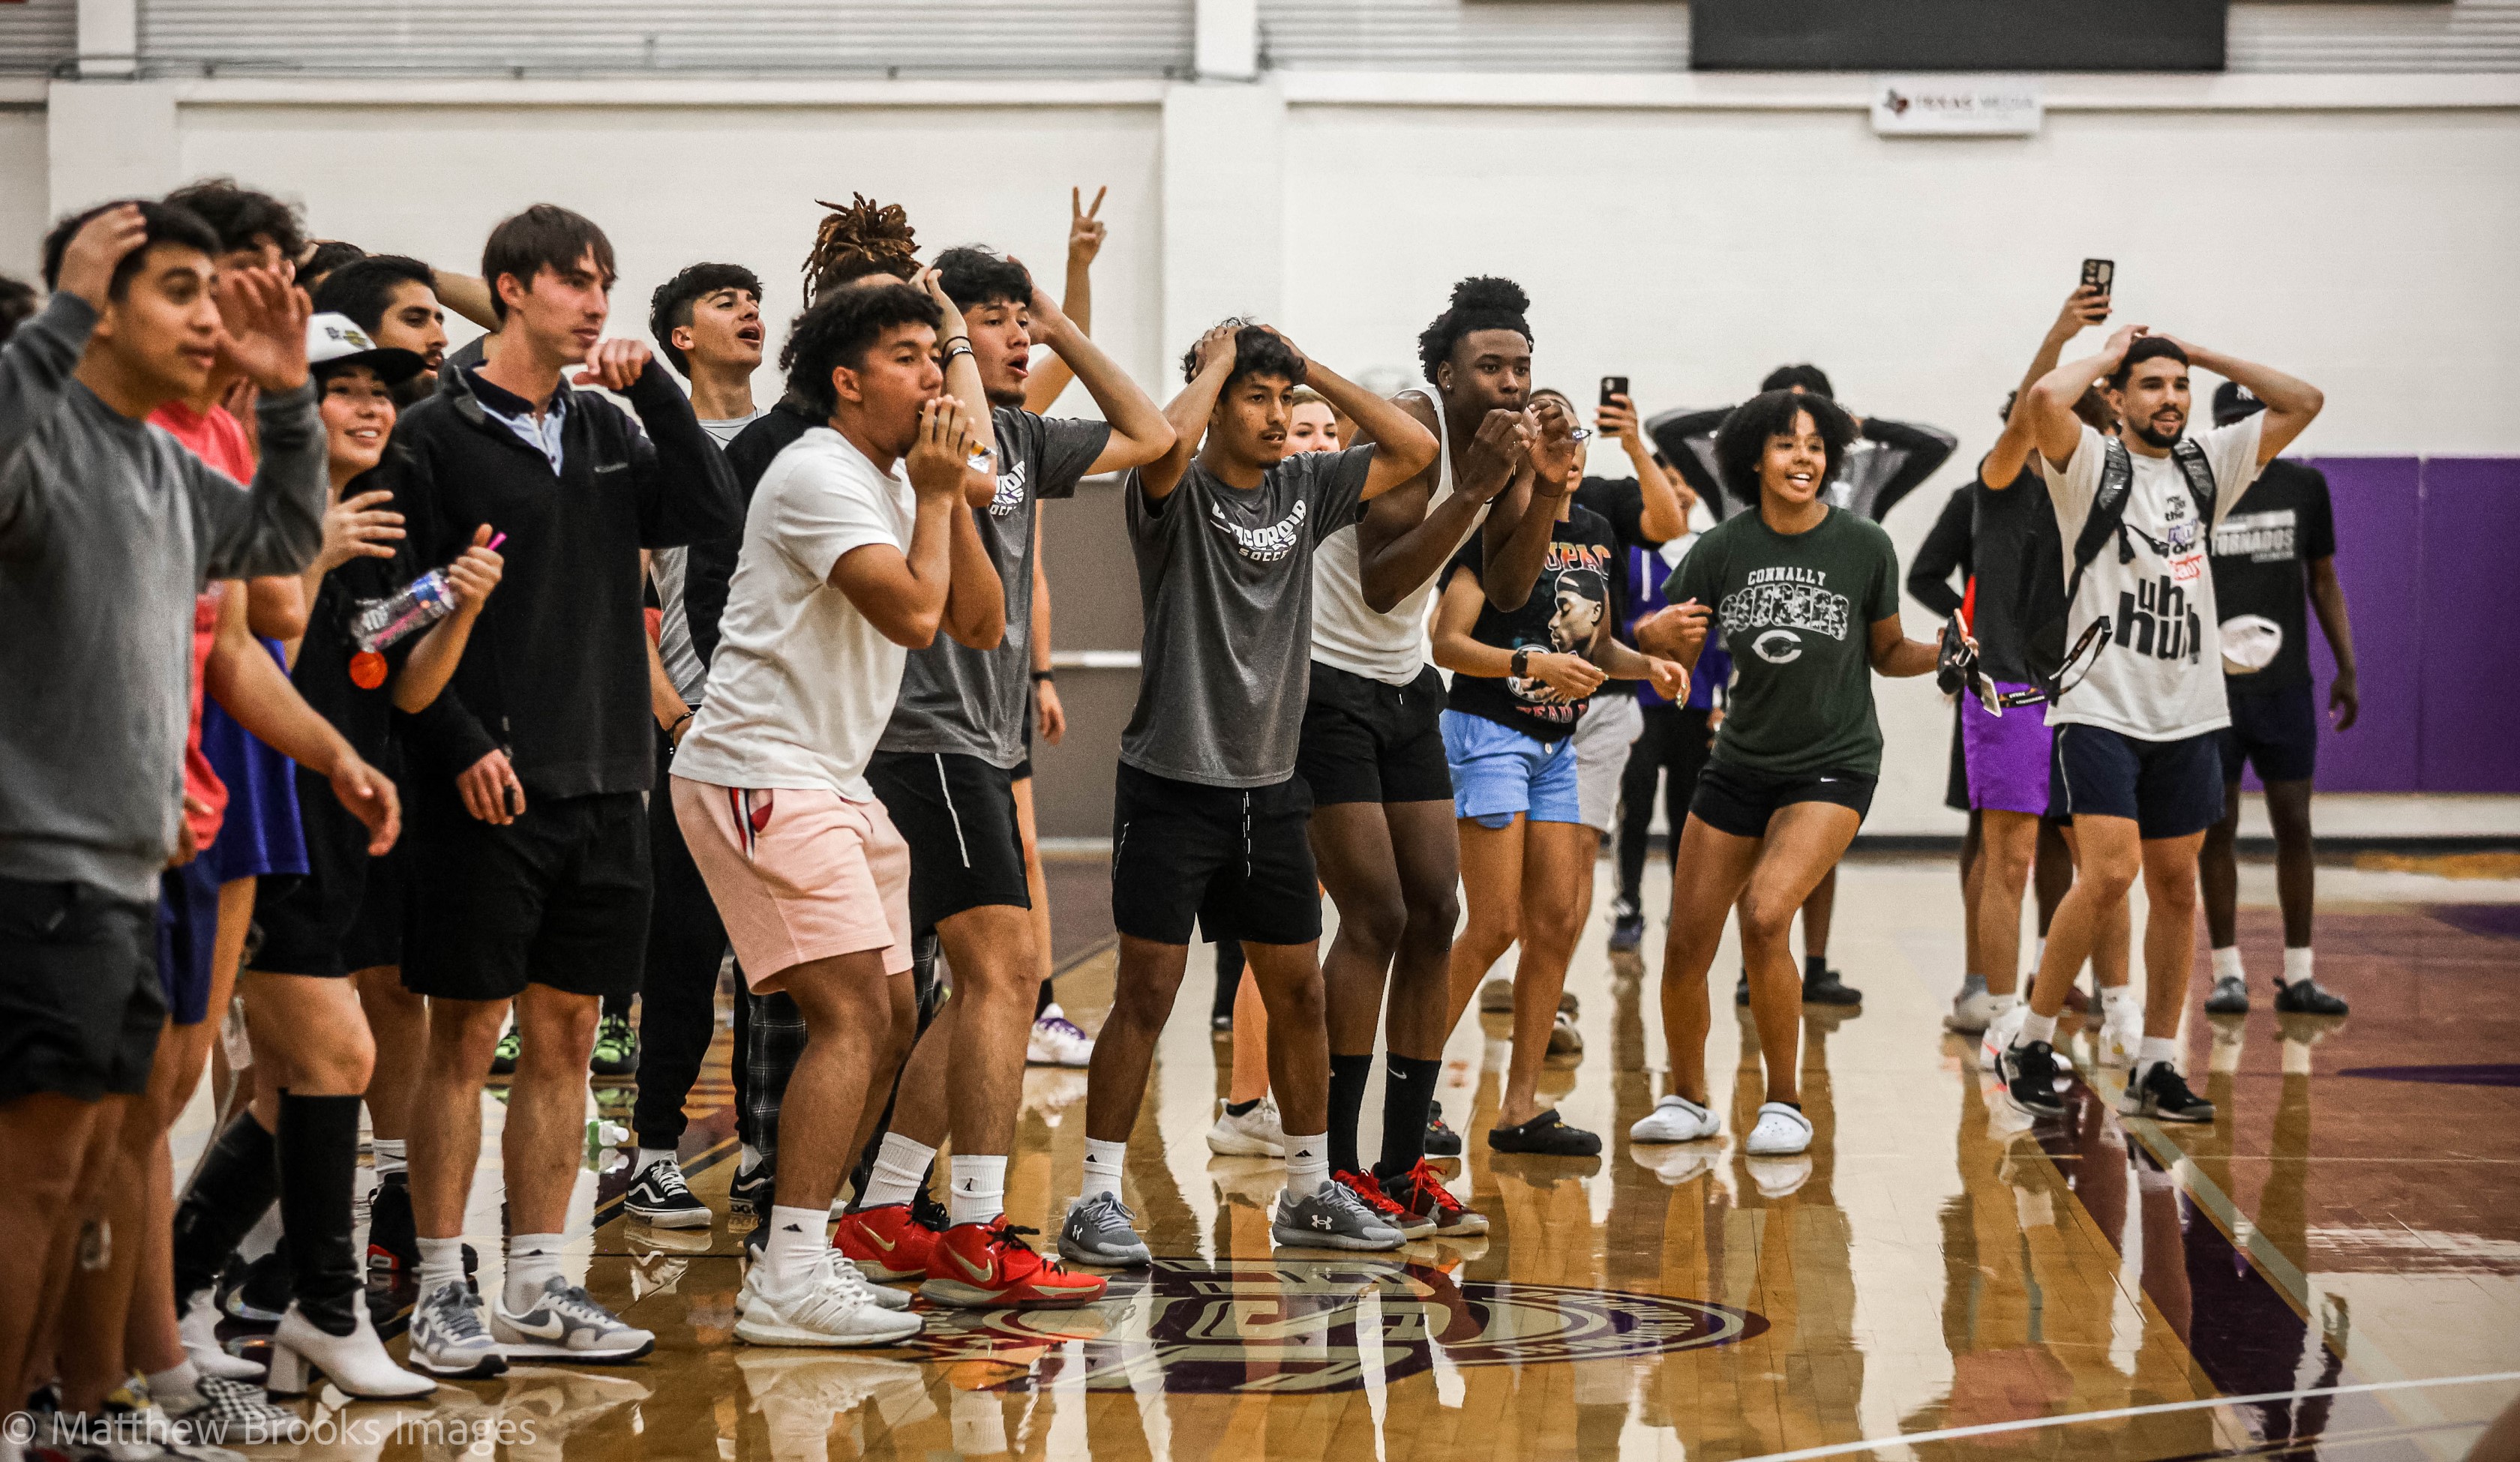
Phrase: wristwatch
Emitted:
{"points": [[1522, 662]]}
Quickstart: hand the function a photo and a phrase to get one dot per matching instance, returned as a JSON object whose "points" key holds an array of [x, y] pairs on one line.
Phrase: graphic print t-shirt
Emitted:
{"points": [[1796, 615], [1572, 602], [2261, 576], [971, 702], [667, 567], [1621, 503], [802, 683], [1225, 577], [2160, 677]]}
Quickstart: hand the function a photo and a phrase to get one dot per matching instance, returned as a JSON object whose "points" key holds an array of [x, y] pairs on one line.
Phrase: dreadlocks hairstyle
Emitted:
{"points": [[1483, 302], [1257, 351], [670, 307], [1742, 439], [865, 237]]}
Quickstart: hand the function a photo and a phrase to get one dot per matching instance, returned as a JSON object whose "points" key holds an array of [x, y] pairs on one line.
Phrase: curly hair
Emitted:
{"points": [[239, 215], [1742, 439], [1483, 302], [670, 307], [1257, 351], [839, 330], [865, 237]]}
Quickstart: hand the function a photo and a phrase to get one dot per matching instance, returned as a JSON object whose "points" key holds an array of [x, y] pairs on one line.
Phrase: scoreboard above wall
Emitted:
{"points": [[1956, 35]]}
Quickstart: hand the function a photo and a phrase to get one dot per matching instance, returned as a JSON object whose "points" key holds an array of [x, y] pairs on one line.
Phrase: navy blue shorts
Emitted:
{"points": [[2277, 731], [188, 929], [2169, 789]]}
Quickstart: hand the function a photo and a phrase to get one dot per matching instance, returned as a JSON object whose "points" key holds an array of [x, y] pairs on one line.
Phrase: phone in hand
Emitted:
{"points": [[2101, 274], [1613, 387]]}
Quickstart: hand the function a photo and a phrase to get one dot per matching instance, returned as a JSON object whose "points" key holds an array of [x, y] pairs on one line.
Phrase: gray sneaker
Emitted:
{"points": [[1101, 1231], [2229, 997], [566, 1324], [448, 1338], [1329, 1218]]}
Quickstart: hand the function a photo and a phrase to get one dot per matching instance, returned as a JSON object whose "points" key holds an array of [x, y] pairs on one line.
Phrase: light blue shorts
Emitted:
{"points": [[1499, 772]]}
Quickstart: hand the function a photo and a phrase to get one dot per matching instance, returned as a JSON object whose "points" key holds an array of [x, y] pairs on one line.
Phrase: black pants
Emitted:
{"points": [[678, 1006], [1676, 740]]}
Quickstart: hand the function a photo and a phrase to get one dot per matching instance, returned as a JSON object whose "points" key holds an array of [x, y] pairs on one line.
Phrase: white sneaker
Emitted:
{"points": [[1776, 1178], [2000, 1031], [1256, 1133], [1781, 1132], [831, 1308], [565, 1323], [448, 1338], [1971, 1007], [1676, 1119], [1057, 1040], [2121, 1035]]}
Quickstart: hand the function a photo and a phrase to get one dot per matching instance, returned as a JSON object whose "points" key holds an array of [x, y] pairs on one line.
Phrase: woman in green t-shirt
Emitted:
{"points": [[1808, 599]]}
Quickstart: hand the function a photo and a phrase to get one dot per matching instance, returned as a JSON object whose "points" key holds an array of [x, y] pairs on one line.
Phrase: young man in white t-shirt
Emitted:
{"points": [[852, 558], [2135, 763]]}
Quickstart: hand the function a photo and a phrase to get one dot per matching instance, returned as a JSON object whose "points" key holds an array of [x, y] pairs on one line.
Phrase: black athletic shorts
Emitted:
{"points": [[1234, 860], [306, 917], [557, 898], [80, 1008], [1956, 788], [958, 813], [2277, 732], [1739, 800], [1369, 741], [376, 933], [2169, 789]]}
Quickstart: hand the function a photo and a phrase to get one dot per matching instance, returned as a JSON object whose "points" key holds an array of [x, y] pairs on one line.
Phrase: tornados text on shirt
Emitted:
{"points": [[1262, 545]]}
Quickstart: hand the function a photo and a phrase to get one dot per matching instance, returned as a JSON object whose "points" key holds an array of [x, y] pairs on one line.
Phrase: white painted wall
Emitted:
{"points": [[25, 193]]}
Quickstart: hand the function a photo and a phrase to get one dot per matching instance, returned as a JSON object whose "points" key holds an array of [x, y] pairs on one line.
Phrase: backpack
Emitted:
{"points": [[2045, 651]]}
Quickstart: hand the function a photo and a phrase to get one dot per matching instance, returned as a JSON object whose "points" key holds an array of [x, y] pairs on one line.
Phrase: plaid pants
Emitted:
{"points": [[770, 1032]]}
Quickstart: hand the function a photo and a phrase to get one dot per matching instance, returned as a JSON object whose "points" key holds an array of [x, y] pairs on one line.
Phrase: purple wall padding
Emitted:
{"points": [[2471, 641], [2379, 547]]}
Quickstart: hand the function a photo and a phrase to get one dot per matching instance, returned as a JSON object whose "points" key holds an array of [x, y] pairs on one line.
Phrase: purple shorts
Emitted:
{"points": [[2007, 755]]}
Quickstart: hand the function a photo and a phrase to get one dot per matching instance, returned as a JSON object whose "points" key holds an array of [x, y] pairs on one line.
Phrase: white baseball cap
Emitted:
{"points": [[333, 342]]}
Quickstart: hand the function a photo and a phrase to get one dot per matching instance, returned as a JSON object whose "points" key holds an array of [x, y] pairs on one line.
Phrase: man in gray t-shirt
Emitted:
{"points": [[1208, 826]]}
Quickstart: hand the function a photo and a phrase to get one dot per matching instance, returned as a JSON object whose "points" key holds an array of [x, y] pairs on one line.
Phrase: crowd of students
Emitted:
{"points": [[677, 674]]}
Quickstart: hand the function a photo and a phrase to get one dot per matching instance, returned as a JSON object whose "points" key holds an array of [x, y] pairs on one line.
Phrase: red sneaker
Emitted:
{"points": [[1421, 1193], [886, 1242], [989, 1266], [1371, 1194]]}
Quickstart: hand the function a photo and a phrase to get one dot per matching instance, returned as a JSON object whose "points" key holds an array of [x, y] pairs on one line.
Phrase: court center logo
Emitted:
{"points": [[1301, 1325]]}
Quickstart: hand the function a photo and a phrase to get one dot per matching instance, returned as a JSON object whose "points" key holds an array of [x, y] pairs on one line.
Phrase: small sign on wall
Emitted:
{"points": [[1956, 105]]}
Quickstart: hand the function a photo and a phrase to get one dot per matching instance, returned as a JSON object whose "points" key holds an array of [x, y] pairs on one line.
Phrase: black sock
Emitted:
{"points": [[1042, 1001], [319, 1159], [234, 1189], [1240, 1108], [1407, 1096], [1815, 966], [1348, 1076]]}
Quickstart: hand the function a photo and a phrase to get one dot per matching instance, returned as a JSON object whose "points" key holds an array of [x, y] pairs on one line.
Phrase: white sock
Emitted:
{"points": [[795, 1244], [441, 1261], [1307, 1164], [2115, 998], [2003, 1003], [2036, 1027], [388, 1155], [1103, 1164], [2296, 965], [749, 1160], [899, 1168], [2038, 955], [180, 1382], [532, 1258], [979, 1188], [2156, 1048], [2226, 964], [649, 1157]]}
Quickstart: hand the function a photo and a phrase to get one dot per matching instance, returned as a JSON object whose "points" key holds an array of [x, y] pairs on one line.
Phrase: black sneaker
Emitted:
{"points": [[926, 1211], [264, 1291], [616, 1048], [2029, 1075], [1826, 989], [1441, 1140], [2160, 1091], [661, 1196], [1627, 931], [1742, 990], [750, 1192], [2229, 997], [2305, 998], [393, 1238], [1548, 1136]]}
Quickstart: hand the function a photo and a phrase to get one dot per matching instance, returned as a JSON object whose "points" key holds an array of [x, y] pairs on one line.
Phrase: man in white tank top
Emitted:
{"points": [[1373, 749]]}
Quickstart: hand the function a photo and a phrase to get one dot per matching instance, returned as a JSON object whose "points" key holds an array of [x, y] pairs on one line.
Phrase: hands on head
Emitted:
{"points": [[98, 249]]}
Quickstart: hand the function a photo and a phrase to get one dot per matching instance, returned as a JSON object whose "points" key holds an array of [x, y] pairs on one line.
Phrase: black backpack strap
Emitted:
{"points": [[2199, 472], [2107, 514]]}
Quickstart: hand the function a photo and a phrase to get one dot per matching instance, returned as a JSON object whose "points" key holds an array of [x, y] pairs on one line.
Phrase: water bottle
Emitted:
{"points": [[422, 602]]}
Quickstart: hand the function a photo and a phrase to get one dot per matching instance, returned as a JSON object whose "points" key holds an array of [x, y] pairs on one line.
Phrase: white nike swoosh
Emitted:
{"points": [[550, 1329]]}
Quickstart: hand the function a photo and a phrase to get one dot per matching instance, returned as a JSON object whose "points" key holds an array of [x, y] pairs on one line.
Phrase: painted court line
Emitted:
{"points": [[1991, 1429]]}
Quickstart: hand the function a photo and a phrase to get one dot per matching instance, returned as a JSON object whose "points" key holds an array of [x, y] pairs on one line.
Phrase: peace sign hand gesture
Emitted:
{"points": [[1085, 232]]}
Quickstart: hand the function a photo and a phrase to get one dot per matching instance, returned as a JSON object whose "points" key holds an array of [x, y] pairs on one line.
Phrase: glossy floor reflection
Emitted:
{"points": [[2332, 1268]]}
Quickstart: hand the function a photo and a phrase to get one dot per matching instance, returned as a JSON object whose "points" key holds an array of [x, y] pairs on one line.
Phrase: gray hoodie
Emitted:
{"points": [[108, 529]]}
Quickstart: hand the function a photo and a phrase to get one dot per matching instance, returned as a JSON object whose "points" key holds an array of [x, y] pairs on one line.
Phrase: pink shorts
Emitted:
{"points": [[798, 875]]}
